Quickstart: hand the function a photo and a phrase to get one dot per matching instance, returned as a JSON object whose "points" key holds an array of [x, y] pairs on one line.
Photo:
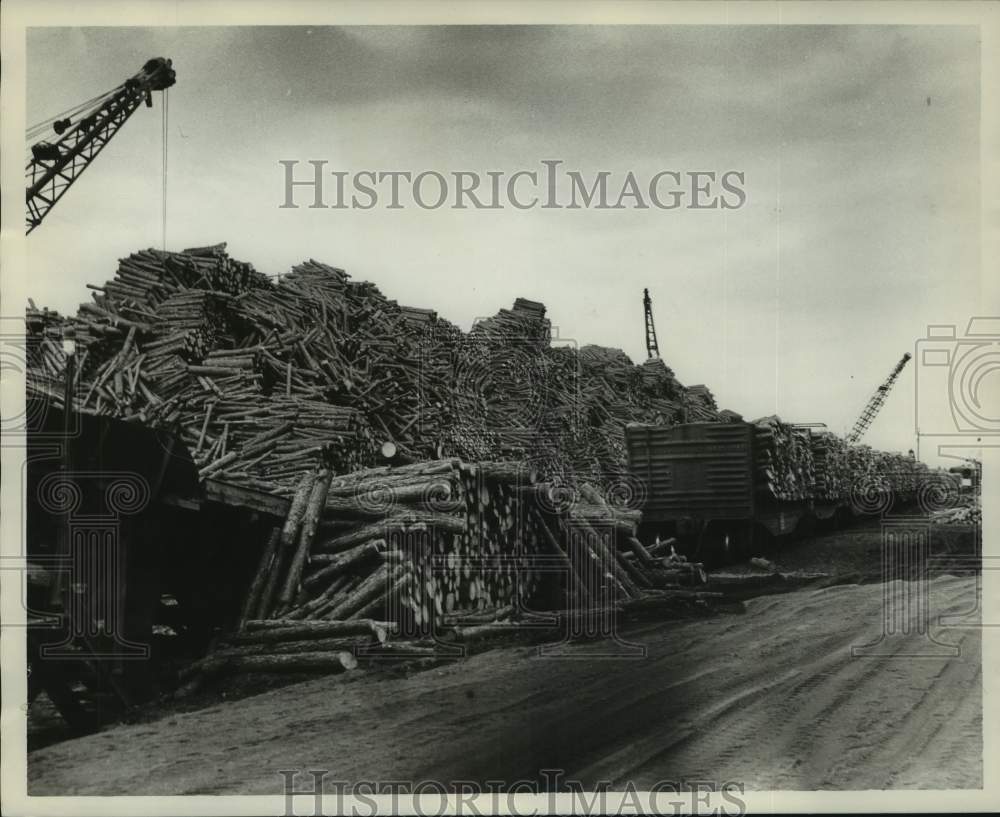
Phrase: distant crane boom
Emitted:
{"points": [[55, 166], [652, 349], [874, 405]]}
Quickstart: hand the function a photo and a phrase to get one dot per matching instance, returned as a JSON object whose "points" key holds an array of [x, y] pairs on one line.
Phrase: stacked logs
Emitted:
{"points": [[268, 443], [794, 463], [902, 474], [194, 340], [841, 469], [438, 550], [145, 280], [524, 325], [417, 315], [833, 471], [657, 376], [967, 511], [46, 362], [173, 336], [783, 460], [596, 530], [701, 395], [410, 544], [861, 464]]}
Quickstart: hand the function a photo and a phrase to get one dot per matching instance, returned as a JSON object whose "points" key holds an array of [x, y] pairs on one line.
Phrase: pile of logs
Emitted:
{"points": [[702, 396], [832, 466], [903, 474], [783, 460], [841, 469], [388, 563], [408, 544], [968, 511], [525, 325], [189, 340], [267, 443], [794, 464], [266, 381], [416, 543]]}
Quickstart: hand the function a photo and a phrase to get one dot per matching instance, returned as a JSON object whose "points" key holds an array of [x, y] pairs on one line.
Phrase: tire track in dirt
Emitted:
{"points": [[771, 698]]}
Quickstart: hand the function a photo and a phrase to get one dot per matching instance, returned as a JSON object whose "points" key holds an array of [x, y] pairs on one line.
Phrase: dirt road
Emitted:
{"points": [[772, 698]]}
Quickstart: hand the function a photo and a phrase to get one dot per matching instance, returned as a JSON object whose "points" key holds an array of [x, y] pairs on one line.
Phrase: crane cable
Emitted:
{"points": [[40, 127], [166, 131]]}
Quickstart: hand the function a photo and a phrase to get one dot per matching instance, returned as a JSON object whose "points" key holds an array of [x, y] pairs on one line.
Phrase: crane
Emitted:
{"points": [[651, 347], [871, 410], [53, 167]]}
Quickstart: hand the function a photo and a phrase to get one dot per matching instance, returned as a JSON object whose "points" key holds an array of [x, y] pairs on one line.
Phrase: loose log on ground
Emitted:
{"points": [[352, 645], [292, 630], [293, 662]]}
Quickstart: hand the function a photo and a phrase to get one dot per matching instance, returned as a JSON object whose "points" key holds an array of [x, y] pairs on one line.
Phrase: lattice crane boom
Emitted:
{"points": [[652, 349], [871, 410], [54, 167]]}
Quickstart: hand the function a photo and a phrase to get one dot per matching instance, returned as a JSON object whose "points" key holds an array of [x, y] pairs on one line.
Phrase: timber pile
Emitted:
{"points": [[658, 377], [46, 363], [783, 459], [525, 325], [416, 543], [861, 463], [439, 550], [190, 340], [701, 397], [832, 466], [901, 473], [841, 470], [267, 381], [969, 511]]}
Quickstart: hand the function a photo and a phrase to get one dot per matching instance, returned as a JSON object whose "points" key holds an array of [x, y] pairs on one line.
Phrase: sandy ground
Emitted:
{"points": [[772, 698]]}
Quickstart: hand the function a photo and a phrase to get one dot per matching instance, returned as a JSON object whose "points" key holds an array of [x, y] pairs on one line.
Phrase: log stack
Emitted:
{"points": [[409, 544], [186, 340], [430, 552], [205, 345], [783, 460], [832, 465], [902, 474], [423, 545]]}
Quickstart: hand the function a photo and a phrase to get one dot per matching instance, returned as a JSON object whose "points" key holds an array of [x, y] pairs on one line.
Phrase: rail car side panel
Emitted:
{"points": [[693, 471]]}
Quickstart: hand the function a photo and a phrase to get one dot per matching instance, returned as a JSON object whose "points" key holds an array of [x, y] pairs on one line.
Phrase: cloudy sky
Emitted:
{"points": [[860, 148]]}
